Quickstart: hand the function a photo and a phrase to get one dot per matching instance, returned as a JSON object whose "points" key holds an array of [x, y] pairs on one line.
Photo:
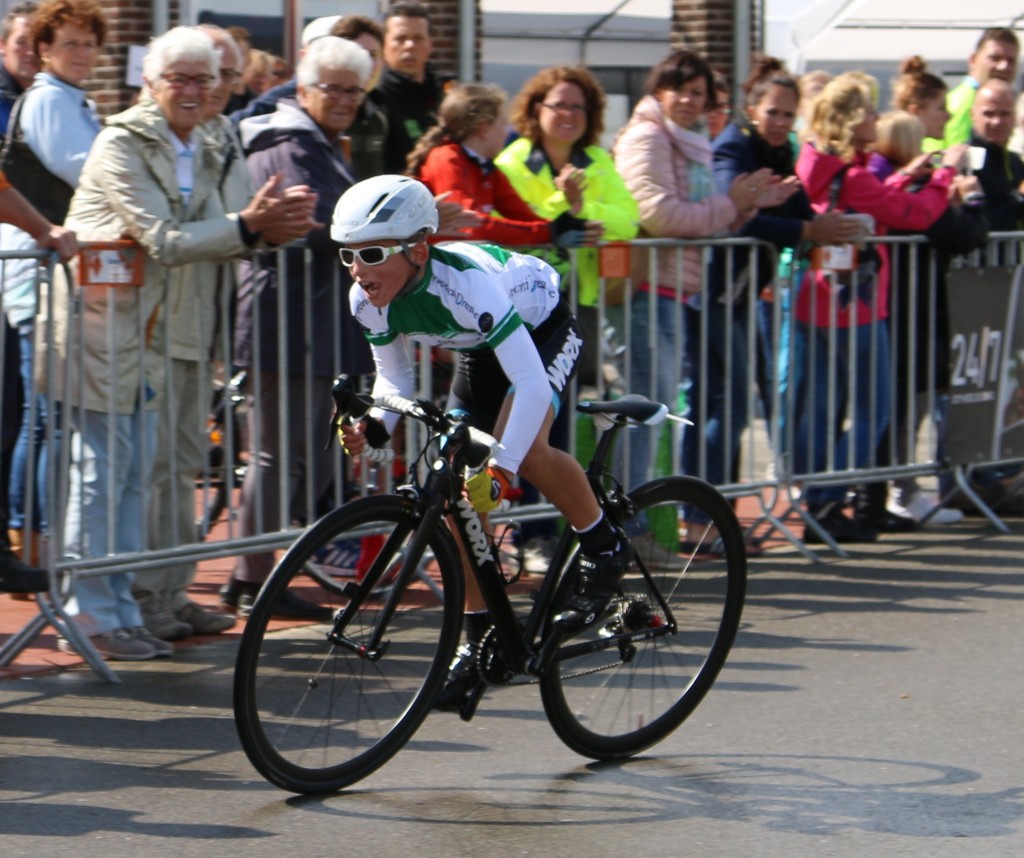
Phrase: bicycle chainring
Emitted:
{"points": [[491, 662]]}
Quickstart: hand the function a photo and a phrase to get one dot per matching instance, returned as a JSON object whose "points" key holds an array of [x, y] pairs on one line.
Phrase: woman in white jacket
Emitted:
{"points": [[664, 157]]}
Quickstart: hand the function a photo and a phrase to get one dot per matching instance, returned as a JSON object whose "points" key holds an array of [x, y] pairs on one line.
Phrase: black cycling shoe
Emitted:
{"points": [[597, 586], [463, 680]]}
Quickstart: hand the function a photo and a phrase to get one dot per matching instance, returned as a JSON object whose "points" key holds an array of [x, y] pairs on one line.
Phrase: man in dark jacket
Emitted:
{"points": [[292, 360], [1002, 176], [368, 131], [19, 66], [15, 576], [409, 93]]}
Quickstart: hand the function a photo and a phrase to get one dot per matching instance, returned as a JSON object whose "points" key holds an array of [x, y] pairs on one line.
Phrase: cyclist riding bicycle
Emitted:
{"points": [[517, 347]]}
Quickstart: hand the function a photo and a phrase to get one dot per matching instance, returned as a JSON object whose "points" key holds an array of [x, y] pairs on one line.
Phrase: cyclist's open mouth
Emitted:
{"points": [[370, 289]]}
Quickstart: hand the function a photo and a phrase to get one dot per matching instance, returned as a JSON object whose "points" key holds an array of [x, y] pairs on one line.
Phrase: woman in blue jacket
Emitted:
{"points": [[761, 137]]}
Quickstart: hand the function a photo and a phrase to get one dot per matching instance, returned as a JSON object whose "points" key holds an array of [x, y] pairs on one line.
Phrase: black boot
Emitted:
{"points": [[871, 511], [18, 577], [840, 527]]}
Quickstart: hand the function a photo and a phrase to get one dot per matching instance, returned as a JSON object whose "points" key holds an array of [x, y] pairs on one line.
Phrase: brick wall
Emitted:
{"points": [[444, 25], [706, 26], [129, 22]]}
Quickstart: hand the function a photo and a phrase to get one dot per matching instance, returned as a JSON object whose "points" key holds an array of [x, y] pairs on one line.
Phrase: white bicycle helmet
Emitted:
{"points": [[383, 207]]}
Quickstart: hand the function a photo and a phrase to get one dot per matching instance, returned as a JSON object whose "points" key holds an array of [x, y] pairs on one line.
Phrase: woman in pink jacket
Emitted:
{"points": [[842, 304], [664, 156]]}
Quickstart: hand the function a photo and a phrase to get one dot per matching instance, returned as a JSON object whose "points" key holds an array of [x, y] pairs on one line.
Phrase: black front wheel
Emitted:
{"points": [[320, 705], [631, 679]]}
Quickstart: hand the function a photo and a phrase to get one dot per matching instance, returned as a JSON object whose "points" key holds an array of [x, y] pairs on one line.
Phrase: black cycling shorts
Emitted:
{"points": [[480, 385]]}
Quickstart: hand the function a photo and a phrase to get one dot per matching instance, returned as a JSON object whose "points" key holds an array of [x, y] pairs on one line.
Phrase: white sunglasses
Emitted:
{"points": [[375, 255]]}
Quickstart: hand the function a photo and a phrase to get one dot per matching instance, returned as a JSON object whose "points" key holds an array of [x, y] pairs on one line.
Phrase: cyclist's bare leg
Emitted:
{"points": [[558, 476], [562, 480], [604, 559]]}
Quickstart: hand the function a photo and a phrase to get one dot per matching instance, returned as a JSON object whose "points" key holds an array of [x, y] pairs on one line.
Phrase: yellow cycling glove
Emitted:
{"points": [[487, 489]]}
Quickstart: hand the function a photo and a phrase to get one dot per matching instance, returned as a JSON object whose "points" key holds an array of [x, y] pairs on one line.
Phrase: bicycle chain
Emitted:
{"points": [[568, 675]]}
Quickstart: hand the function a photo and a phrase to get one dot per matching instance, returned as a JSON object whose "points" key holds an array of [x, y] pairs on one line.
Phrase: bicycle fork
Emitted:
{"points": [[375, 648]]}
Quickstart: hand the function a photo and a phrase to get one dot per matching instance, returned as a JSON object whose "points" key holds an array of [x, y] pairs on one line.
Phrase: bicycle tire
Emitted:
{"points": [[315, 717], [620, 700]]}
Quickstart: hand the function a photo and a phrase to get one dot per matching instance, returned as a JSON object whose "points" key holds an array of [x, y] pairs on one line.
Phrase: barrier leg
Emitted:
{"points": [[964, 485], [52, 613]]}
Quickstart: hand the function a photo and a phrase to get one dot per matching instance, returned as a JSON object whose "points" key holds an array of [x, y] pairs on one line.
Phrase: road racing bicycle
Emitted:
{"points": [[321, 706]]}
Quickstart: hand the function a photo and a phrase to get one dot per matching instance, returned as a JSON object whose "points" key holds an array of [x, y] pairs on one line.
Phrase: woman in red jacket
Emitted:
{"points": [[842, 304], [455, 158]]}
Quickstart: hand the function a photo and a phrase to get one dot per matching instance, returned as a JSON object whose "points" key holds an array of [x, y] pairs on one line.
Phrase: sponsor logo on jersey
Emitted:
{"points": [[457, 297], [486, 323]]}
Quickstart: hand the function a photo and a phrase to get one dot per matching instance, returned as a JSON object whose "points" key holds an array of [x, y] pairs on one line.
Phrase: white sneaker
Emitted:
{"points": [[922, 504], [537, 554]]}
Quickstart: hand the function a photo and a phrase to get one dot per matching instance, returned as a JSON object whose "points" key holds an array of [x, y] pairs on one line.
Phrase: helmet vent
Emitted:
{"points": [[384, 214]]}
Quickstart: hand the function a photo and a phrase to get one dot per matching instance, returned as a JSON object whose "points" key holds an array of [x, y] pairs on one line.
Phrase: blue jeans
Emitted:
{"points": [[31, 439], [815, 370], [720, 382], [107, 504], [657, 368]]}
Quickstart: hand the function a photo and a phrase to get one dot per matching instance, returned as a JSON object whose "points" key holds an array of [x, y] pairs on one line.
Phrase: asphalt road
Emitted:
{"points": [[871, 707]]}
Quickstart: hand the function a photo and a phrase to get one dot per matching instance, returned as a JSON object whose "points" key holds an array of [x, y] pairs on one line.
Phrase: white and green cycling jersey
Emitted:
{"points": [[471, 296]]}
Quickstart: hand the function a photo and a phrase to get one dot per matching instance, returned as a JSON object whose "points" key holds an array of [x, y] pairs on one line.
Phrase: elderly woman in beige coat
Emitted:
{"points": [[197, 328], [150, 177]]}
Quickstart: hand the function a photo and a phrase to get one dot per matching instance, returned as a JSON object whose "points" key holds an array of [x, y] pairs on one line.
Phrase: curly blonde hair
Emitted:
{"points": [[841, 106]]}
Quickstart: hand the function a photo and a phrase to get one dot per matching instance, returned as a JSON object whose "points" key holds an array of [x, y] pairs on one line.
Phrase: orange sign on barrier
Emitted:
{"points": [[613, 260], [111, 263]]}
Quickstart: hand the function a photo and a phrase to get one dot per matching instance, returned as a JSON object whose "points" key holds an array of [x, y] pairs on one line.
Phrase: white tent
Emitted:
{"points": [[866, 33]]}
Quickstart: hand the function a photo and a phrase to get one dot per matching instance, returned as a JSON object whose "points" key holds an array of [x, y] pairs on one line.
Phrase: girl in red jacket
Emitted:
{"points": [[455, 158]]}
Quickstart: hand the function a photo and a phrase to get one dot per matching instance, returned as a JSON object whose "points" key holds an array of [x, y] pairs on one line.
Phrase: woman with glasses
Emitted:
{"points": [[558, 166], [152, 177], [302, 140], [51, 130]]}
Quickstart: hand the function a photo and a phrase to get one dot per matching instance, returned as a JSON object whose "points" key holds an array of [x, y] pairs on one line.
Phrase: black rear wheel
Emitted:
{"points": [[668, 634], [321, 705]]}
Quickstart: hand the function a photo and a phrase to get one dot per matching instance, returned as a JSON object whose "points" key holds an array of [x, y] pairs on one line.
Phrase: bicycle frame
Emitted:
{"points": [[526, 648]]}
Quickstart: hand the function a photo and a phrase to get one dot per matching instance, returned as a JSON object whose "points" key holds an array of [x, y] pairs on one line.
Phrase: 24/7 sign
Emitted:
{"points": [[986, 355]]}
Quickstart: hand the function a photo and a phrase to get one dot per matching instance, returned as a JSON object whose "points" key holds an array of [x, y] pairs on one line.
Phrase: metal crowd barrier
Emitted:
{"points": [[722, 359]]}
